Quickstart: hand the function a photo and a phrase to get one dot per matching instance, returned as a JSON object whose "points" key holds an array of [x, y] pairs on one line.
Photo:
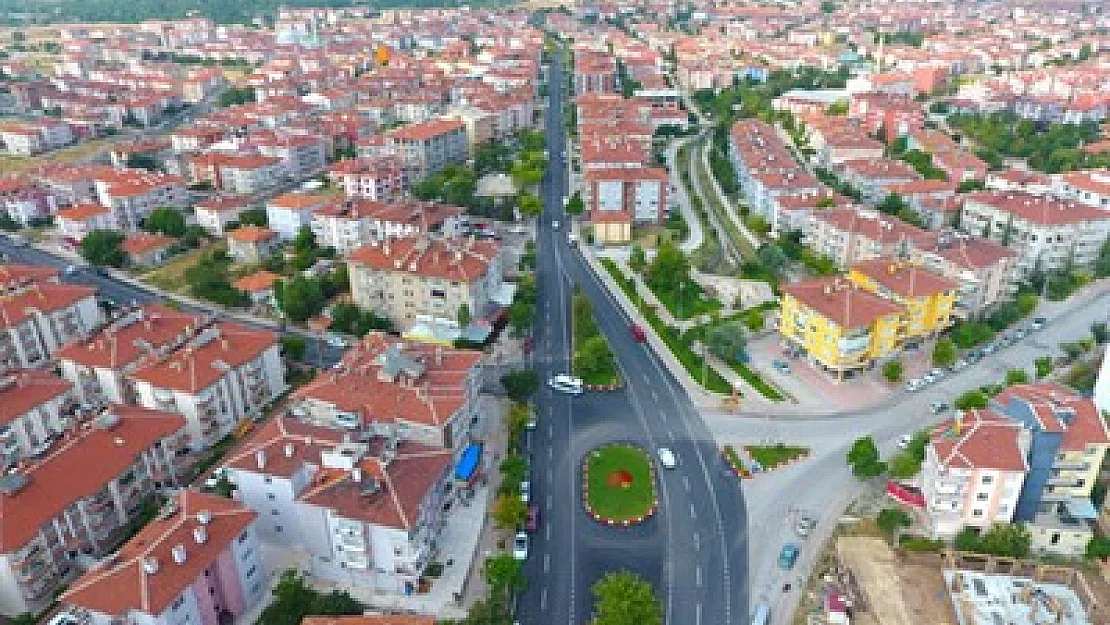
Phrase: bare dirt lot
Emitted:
{"points": [[896, 591]]}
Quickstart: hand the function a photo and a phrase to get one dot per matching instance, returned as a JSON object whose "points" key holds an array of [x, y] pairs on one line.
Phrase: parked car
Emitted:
{"points": [[781, 366], [531, 423], [72, 270], [566, 384], [337, 342], [572, 239], [666, 458], [789, 556], [554, 224], [64, 618], [805, 525], [904, 442], [520, 546], [214, 480], [1038, 323], [525, 491], [914, 384], [1020, 333], [960, 365], [937, 373], [532, 523], [938, 407]]}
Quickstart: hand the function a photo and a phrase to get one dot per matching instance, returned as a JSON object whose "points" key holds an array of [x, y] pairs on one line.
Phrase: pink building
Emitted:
{"points": [[199, 562]]}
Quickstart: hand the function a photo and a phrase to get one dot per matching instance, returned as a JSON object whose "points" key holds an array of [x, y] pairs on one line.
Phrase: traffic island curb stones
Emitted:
{"points": [[650, 512]]}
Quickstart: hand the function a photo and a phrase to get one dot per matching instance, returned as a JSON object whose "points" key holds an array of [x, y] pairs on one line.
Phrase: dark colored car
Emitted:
{"points": [[532, 523], [638, 333]]}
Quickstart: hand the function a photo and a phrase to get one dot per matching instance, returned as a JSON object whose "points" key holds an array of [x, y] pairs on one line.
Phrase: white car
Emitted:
{"points": [[566, 384], [525, 491], [555, 224], [573, 238], [904, 442], [520, 546], [337, 342], [914, 384], [666, 458], [64, 618]]}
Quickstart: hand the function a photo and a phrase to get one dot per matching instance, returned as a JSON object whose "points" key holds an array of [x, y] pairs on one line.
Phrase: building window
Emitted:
{"points": [[988, 479], [274, 512], [242, 538], [268, 479], [981, 496], [270, 496], [977, 513], [277, 528], [180, 601], [251, 571]]}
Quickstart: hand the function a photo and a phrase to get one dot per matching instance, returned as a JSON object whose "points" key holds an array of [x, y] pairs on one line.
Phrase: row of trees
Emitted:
{"points": [[1051, 148]]}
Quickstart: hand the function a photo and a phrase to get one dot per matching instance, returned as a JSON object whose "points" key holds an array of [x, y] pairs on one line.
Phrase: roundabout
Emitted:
{"points": [[618, 485]]}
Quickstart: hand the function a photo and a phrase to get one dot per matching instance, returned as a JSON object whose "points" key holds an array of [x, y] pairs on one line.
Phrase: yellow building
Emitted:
{"points": [[840, 326], [927, 298]]}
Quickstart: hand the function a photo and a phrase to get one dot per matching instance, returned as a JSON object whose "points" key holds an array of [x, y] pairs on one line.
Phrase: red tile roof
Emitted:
{"points": [[21, 391], [461, 260], [12, 275], [905, 279], [145, 242], [258, 281], [427, 130], [124, 341], [979, 439], [1037, 209], [251, 234], [194, 368], [15, 309], [123, 585], [841, 302], [82, 212], [1061, 409], [82, 465]]}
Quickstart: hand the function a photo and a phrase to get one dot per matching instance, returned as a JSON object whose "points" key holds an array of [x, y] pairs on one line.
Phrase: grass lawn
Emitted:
{"points": [[619, 479], [171, 275], [771, 455], [692, 302]]}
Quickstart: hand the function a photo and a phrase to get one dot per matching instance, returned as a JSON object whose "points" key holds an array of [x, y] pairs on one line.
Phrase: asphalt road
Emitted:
{"points": [[694, 551], [125, 294]]}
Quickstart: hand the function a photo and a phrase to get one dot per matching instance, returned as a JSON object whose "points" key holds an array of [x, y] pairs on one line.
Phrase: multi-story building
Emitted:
{"points": [[926, 298], [427, 147], [428, 393], [215, 214], [848, 236], [617, 197], [252, 244], [218, 378], [35, 408], [839, 326], [984, 270], [38, 319], [974, 468], [78, 221], [363, 513], [379, 179], [1090, 187], [301, 156], [287, 214], [15, 277], [98, 367], [405, 278], [353, 223], [133, 194], [77, 501], [1047, 234], [199, 561]]}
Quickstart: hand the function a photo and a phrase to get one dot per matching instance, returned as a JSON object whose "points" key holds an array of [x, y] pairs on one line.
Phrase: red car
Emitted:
{"points": [[532, 524], [638, 333]]}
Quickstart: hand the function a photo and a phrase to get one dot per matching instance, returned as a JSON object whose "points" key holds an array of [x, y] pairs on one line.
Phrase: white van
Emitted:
{"points": [[762, 614], [566, 384]]}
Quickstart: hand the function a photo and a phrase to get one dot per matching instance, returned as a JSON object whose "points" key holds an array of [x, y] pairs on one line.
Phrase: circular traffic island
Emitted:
{"points": [[618, 485]]}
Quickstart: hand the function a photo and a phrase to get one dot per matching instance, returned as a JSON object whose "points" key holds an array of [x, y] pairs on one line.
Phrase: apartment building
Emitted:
{"points": [[146, 249], [216, 213], [435, 277], [427, 147], [252, 244], [839, 326], [379, 179], [766, 188], [98, 367], [40, 318], [984, 270], [288, 213], [76, 501], [428, 393], [31, 137], [361, 513], [1091, 187], [352, 224], [216, 379], [16, 277], [873, 176], [975, 466], [848, 236], [35, 409], [199, 561], [302, 156], [926, 298], [78, 221], [616, 198], [1047, 234], [133, 194]]}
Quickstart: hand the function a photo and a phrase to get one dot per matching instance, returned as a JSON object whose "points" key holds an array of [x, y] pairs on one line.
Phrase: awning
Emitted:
{"points": [[1081, 509], [467, 467]]}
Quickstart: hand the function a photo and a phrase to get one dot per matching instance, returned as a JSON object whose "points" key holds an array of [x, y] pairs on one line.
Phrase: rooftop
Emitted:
{"points": [[206, 358], [841, 302], [905, 279], [980, 439], [462, 260], [22, 391], [987, 598]]}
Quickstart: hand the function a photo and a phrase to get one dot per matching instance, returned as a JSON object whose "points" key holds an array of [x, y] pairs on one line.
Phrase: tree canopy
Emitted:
{"points": [[624, 598], [103, 248], [294, 599], [167, 221], [864, 458]]}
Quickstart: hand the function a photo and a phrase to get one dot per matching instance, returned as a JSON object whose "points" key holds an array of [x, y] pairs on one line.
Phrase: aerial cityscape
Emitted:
{"points": [[767, 312]]}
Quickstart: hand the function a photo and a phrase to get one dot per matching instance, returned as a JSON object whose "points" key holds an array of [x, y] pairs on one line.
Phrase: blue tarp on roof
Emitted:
{"points": [[1081, 508], [468, 462]]}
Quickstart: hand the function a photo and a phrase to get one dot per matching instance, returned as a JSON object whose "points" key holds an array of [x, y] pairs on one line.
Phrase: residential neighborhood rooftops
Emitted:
{"points": [[257, 281], [905, 279], [1056, 408], [461, 260], [206, 358], [22, 391], [841, 302], [17, 308], [1037, 209], [251, 234], [129, 338], [980, 439]]}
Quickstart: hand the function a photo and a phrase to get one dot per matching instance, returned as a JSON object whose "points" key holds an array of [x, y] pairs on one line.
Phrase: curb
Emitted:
{"points": [[736, 470], [795, 459], [604, 387], [618, 522]]}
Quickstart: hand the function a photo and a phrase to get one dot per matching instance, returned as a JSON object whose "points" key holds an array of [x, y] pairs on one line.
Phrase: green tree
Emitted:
{"points": [[1098, 548], [637, 259], [293, 346], [624, 598], [529, 204], [668, 269], [1099, 332], [168, 221], [864, 458], [143, 161], [826, 202], [514, 468], [892, 370], [1043, 366], [103, 248], [594, 359], [253, 217], [300, 298], [1017, 376], [234, 96], [294, 599], [944, 353], [521, 384], [509, 511], [972, 399], [463, 315], [891, 520], [727, 340], [504, 575], [575, 205]]}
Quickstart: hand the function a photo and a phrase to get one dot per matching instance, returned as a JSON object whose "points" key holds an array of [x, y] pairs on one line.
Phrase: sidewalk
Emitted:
{"points": [[697, 234], [730, 209]]}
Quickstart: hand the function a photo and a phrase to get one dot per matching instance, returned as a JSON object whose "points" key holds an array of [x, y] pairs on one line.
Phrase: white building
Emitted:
{"points": [[1090, 187], [975, 465], [287, 214], [37, 320], [35, 408], [223, 375]]}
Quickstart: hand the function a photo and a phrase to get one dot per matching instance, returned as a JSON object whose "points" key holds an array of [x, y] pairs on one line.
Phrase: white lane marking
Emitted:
{"points": [[671, 434], [550, 500], [693, 513], [697, 541], [697, 575], [550, 453], [543, 599], [550, 476], [546, 562], [697, 614], [547, 531], [686, 482], [654, 396]]}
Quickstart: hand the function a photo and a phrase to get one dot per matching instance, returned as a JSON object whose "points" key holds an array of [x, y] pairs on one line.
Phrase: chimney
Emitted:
{"points": [[150, 565], [178, 553], [439, 356], [356, 475], [289, 450], [200, 534], [260, 457], [204, 517]]}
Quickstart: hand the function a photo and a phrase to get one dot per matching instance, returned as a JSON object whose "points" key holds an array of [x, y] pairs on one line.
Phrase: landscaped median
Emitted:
{"points": [[771, 456], [735, 463], [618, 485], [593, 359]]}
